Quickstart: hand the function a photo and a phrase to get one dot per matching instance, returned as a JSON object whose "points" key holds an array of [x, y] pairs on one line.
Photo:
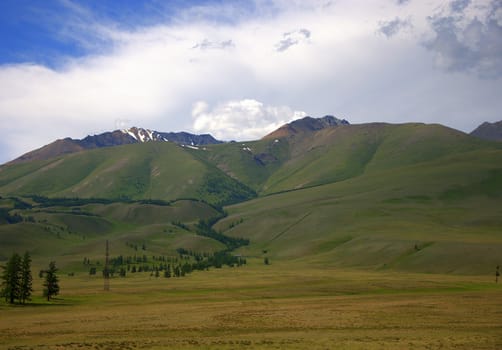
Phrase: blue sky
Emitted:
{"points": [[239, 69], [34, 31]]}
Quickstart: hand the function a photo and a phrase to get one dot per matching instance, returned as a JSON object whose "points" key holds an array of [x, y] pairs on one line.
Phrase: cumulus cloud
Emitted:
{"points": [[246, 119], [466, 40]]}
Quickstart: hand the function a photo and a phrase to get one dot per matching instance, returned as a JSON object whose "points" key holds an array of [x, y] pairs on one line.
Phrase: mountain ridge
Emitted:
{"points": [[489, 131], [114, 138], [306, 124], [316, 154], [139, 135]]}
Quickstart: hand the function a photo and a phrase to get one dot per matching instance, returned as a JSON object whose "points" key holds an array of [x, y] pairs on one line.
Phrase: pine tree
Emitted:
{"points": [[167, 271], [11, 279], [51, 281], [26, 278]]}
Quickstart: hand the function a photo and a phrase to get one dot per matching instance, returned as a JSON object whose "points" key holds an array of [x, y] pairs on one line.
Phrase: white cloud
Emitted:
{"points": [[467, 38], [333, 62], [246, 119]]}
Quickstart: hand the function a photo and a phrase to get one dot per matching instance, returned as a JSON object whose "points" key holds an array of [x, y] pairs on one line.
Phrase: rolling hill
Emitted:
{"points": [[153, 170], [411, 197]]}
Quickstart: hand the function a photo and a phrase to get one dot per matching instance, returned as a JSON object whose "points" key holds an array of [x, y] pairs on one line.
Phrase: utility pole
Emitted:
{"points": [[106, 272]]}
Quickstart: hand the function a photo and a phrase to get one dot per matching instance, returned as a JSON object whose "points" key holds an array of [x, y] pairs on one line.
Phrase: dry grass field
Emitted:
{"points": [[280, 306]]}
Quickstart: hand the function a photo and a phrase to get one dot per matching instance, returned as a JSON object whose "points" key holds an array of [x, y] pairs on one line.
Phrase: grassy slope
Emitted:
{"points": [[413, 196], [141, 171], [251, 163], [336, 154], [429, 206]]}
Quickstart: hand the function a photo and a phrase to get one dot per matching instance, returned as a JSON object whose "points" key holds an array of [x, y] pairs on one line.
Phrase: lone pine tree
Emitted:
{"points": [[51, 281]]}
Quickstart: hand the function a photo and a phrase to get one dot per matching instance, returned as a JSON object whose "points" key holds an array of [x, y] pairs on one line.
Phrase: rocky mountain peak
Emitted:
{"points": [[489, 131], [306, 124]]}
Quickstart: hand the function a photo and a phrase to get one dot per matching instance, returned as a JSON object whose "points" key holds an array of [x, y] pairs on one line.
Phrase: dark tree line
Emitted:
{"points": [[74, 202], [204, 228], [203, 261], [187, 262]]}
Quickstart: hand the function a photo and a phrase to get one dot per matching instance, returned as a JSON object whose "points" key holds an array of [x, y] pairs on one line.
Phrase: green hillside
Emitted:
{"points": [[412, 197], [336, 154], [251, 163], [442, 215], [141, 171]]}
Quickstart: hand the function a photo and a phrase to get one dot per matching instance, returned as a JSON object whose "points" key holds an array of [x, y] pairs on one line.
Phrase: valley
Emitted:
{"points": [[317, 236]]}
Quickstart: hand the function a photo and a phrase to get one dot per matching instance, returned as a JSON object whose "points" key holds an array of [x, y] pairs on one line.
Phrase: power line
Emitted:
{"points": [[106, 272]]}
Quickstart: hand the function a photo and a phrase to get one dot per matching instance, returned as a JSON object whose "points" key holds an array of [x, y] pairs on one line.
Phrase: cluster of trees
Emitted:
{"points": [[68, 202], [187, 262], [135, 246], [204, 228], [204, 261], [6, 217], [222, 191], [17, 280], [180, 225], [233, 224]]}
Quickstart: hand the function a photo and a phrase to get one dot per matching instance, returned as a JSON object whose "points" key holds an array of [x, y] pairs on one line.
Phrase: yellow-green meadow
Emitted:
{"points": [[277, 306]]}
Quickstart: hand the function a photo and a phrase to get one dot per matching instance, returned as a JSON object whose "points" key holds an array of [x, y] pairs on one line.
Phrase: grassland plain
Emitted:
{"points": [[279, 306]]}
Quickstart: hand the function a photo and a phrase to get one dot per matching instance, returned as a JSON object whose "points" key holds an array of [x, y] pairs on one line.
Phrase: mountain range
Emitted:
{"points": [[115, 138], [139, 163], [487, 131], [412, 196]]}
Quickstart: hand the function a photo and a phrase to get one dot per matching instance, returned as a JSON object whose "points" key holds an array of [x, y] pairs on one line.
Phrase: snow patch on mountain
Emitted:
{"points": [[143, 135]]}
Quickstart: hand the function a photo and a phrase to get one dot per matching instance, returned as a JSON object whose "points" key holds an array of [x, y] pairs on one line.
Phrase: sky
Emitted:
{"points": [[240, 69]]}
